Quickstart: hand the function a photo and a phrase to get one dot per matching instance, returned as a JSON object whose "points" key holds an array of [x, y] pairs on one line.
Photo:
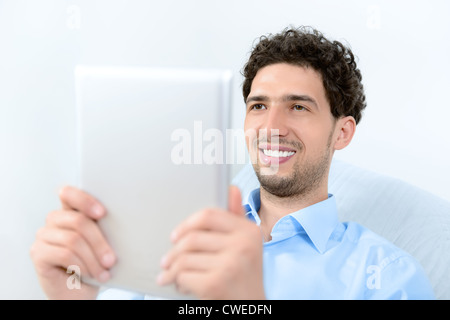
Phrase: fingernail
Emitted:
{"points": [[174, 236], [108, 260], [104, 276], [97, 210], [163, 262], [160, 279]]}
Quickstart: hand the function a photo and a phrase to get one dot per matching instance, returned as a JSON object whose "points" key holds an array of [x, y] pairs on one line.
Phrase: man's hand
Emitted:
{"points": [[71, 236], [217, 254]]}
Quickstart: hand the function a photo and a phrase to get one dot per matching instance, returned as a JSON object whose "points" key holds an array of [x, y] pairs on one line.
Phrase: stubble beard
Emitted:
{"points": [[304, 179]]}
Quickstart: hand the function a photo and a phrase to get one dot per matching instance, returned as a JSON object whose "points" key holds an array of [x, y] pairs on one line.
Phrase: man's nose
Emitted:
{"points": [[276, 122]]}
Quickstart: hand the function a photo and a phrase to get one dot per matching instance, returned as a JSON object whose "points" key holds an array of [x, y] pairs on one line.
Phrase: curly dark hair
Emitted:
{"points": [[307, 47]]}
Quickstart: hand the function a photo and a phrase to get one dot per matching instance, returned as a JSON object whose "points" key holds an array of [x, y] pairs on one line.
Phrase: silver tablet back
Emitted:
{"points": [[152, 148]]}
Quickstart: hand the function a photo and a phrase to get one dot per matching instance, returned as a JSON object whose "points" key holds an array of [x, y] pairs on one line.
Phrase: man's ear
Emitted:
{"points": [[346, 127]]}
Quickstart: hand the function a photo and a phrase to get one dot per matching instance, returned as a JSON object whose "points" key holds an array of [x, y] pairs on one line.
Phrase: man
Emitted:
{"points": [[304, 98]]}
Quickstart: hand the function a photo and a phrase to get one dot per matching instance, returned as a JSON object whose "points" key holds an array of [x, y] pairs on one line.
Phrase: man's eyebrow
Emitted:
{"points": [[301, 97], [289, 97], [257, 98]]}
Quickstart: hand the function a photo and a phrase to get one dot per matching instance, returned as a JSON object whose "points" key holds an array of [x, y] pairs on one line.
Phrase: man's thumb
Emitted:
{"points": [[235, 201]]}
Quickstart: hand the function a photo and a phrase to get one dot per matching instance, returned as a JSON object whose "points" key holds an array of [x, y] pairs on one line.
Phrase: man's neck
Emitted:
{"points": [[273, 208]]}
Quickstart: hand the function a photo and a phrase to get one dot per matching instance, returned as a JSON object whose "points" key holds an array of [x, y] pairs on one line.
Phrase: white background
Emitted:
{"points": [[403, 49]]}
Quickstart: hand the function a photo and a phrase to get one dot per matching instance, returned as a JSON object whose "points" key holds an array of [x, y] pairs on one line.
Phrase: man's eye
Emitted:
{"points": [[298, 107], [258, 107]]}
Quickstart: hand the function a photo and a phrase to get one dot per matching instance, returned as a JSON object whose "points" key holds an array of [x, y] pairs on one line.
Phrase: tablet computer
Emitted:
{"points": [[152, 150]]}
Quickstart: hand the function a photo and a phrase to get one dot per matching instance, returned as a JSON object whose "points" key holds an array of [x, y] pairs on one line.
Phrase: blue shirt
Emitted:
{"points": [[312, 255]]}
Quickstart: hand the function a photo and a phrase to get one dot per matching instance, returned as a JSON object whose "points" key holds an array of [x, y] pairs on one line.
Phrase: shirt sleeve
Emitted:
{"points": [[118, 294], [402, 279]]}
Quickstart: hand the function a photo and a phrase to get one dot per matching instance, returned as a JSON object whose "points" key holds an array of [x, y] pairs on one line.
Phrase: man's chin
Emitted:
{"points": [[273, 170], [278, 186], [268, 171]]}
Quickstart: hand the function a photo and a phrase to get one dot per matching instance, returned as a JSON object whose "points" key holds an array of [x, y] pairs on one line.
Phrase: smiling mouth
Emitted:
{"points": [[277, 153]]}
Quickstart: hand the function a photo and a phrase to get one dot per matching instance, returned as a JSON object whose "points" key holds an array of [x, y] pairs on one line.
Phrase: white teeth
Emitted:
{"points": [[277, 153]]}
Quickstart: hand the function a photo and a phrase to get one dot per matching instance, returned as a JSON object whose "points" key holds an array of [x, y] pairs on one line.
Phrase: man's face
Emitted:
{"points": [[288, 111]]}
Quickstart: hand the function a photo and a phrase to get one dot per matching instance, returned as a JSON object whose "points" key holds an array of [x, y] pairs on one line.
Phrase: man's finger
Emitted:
{"points": [[235, 201], [218, 220], [188, 262], [196, 241], [62, 237], [88, 229], [78, 200], [58, 258], [193, 282]]}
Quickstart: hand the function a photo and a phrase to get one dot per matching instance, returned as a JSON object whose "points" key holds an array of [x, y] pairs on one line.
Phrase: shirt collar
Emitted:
{"points": [[253, 205], [318, 221]]}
